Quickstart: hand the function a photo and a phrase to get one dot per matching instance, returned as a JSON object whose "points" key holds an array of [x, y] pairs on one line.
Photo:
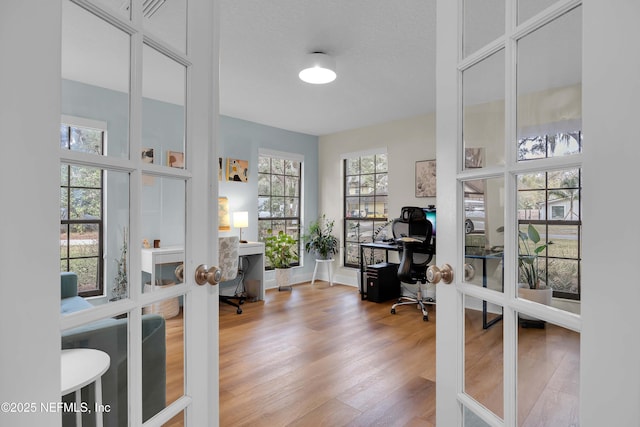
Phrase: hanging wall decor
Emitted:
{"points": [[237, 170], [426, 178]]}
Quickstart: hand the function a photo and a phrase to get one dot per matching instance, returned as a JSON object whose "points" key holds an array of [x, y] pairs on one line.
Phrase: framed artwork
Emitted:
{"points": [[237, 170], [175, 159], [473, 158], [147, 155], [426, 178], [219, 168], [224, 224]]}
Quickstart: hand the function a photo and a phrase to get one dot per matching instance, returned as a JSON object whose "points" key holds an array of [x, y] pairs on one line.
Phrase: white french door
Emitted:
{"points": [[95, 83], [534, 130]]}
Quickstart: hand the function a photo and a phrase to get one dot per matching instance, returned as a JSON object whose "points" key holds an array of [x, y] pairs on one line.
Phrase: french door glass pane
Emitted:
{"points": [[549, 89], [484, 232], [483, 364], [121, 7], [548, 374], [529, 8], [110, 336], [95, 79], [483, 112], [163, 111], [163, 211], [162, 354], [167, 20], [483, 23]]}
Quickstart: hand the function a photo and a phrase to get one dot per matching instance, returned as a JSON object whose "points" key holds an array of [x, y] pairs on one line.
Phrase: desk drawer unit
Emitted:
{"points": [[382, 282]]}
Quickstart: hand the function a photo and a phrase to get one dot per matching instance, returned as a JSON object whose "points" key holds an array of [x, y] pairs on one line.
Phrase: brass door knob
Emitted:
{"points": [[211, 275], [434, 274], [179, 272]]}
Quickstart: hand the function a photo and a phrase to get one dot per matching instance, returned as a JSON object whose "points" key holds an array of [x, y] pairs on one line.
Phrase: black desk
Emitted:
{"points": [[484, 256], [385, 247]]}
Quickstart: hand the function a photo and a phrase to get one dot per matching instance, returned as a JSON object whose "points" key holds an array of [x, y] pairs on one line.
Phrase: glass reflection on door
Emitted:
{"points": [[95, 76], [483, 363]]}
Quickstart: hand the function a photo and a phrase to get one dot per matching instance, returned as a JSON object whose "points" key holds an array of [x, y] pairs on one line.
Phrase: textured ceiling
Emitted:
{"points": [[384, 50]]}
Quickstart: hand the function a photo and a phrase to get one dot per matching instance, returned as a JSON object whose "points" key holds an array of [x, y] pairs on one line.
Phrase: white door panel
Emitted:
{"points": [[552, 60], [100, 61]]}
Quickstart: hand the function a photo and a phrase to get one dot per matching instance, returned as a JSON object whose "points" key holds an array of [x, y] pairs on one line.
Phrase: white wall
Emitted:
{"points": [[406, 142]]}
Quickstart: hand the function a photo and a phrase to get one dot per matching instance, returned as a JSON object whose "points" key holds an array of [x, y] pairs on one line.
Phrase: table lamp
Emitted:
{"points": [[241, 220]]}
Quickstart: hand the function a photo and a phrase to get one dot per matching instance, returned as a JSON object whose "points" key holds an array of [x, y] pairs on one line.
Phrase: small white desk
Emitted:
{"points": [[254, 251], [153, 257], [80, 367]]}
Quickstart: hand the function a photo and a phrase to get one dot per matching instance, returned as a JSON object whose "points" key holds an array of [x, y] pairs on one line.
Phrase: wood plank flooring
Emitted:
{"points": [[319, 356]]}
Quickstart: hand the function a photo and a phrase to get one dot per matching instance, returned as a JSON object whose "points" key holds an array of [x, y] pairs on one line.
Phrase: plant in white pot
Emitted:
{"points": [[320, 240], [531, 287], [281, 251]]}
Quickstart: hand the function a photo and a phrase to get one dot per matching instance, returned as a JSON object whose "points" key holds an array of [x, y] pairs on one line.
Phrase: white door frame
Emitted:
{"points": [[29, 122], [609, 372]]}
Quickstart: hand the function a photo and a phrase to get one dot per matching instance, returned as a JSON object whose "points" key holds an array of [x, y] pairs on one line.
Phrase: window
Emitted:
{"points": [[550, 201], [81, 211], [365, 202], [279, 189]]}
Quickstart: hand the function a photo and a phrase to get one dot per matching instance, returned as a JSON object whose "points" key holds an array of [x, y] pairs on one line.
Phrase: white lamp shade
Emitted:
{"points": [[241, 219], [319, 68]]}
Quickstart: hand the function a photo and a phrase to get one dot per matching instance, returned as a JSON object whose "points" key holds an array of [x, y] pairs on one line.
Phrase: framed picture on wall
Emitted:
{"points": [[224, 224], [426, 178], [237, 170], [219, 168]]}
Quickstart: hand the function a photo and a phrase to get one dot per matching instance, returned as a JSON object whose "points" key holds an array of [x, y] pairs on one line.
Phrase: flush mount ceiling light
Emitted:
{"points": [[319, 68]]}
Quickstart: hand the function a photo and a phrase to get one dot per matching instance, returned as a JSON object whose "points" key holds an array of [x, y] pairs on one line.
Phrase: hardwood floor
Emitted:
{"points": [[319, 356]]}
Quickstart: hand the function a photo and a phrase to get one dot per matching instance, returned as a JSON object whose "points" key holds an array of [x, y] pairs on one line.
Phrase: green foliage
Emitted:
{"points": [[528, 256], [280, 249], [319, 238]]}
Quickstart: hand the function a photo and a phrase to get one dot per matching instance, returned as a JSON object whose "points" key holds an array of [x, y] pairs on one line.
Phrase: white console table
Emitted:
{"points": [[254, 251], [152, 257]]}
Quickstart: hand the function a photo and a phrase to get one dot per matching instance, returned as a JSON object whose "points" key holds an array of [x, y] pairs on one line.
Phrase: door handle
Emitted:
{"points": [[211, 275], [434, 274], [179, 272]]}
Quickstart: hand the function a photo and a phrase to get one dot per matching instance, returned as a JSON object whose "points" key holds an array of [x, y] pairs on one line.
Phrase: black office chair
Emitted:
{"points": [[228, 263], [413, 232]]}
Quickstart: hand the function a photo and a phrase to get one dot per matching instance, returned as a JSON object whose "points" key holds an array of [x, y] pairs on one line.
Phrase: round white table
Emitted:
{"points": [[329, 263], [80, 367]]}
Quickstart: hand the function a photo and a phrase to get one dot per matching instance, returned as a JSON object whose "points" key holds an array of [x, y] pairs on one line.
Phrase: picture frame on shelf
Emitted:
{"points": [[147, 155], [175, 159]]}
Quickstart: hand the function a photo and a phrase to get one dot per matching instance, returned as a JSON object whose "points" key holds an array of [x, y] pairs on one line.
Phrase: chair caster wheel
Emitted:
{"points": [[239, 310], [393, 311], [425, 318]]}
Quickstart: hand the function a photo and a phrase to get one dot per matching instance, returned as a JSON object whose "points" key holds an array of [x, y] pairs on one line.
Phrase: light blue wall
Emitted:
{"points": [[240, 139], [163, 130]]}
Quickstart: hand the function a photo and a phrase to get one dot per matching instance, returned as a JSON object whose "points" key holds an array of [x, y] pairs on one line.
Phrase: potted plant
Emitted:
{"points": [[529, 249], [280, 250], [320, 240]]}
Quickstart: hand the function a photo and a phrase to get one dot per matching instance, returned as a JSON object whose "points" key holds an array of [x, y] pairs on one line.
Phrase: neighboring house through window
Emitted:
{"points": [[551, 201]]}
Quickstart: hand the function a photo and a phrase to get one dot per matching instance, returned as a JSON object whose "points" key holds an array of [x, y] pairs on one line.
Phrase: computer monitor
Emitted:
{"points": [[430, 213]]}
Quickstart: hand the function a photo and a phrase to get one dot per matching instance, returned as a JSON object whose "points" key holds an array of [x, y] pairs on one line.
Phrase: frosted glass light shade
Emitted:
{"points": [[241, 219], [319, 68]]}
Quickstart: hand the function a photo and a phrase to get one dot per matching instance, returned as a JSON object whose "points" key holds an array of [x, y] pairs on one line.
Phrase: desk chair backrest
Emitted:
{"points": [[413, 231], [228, 257]]}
